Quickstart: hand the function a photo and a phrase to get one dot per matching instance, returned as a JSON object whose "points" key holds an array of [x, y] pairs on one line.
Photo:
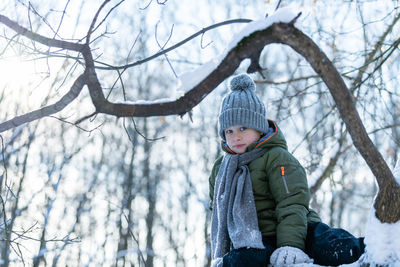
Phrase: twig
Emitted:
{"points": [[109, 12], [90, 31], [201, 42], [4, 215], [119, 72], [143, 8], [142, 135], [176, 45], [134, 238], [4, 163], [85, 118], [158, 2], [71, 95], [76, 124], [358, 81], [162, 47], [316, 125], [277, 6], [21, 254], [293, 21], [133, 45], [392, 49], [62, 18], [31, 7], [287, 81], [10, 40]]}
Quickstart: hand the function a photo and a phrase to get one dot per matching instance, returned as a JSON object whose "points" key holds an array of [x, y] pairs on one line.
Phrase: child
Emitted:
{"points": [[260, 198]]}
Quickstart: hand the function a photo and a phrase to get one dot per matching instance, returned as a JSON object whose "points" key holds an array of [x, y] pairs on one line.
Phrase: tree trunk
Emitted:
{"points": [[128, 197], [150, 192], [387, 203]]}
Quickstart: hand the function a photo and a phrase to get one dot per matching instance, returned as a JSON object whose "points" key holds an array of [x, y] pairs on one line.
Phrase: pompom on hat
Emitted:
{"points": [[242, 107]]}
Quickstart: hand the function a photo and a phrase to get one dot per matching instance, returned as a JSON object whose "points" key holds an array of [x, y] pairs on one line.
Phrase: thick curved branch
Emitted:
{"points": [[47, 110], [342, 97], [181, 106], [249, 47]]}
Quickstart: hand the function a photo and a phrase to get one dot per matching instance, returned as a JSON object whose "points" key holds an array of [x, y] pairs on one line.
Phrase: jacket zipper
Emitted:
{"points": [[284, 179]]}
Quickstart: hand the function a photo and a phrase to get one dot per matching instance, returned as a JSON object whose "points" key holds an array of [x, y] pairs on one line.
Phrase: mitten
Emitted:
{"points": [[289, 255]]}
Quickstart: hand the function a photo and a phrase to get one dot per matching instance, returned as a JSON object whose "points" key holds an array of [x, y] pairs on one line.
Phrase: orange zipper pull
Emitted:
{"points": [[284, 179]]}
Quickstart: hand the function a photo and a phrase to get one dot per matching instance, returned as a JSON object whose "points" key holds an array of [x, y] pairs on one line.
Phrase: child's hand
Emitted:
{"points": [[289, 255]]}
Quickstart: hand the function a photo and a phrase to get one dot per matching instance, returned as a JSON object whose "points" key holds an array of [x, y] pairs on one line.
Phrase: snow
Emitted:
{"points": [[382, 241], [148, 102], [396, 171], [285, 15], [188, 80]]}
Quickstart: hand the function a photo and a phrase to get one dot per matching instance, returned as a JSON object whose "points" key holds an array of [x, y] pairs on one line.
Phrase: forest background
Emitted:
{"points": [[134, 191]]}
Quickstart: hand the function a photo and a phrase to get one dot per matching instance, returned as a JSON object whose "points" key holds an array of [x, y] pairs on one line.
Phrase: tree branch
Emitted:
{"points": [[341, 95], [165, 51], [249, 47], [371, 56], [40, 38], [47, 110]]}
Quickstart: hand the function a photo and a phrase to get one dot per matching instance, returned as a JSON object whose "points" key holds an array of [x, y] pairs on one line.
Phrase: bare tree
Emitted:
{"points": [[55, 177], [249, 48], [11, 207]]}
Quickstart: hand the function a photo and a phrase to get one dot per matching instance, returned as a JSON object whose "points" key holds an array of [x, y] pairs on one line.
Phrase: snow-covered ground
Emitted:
{"points": [[382, 239]]}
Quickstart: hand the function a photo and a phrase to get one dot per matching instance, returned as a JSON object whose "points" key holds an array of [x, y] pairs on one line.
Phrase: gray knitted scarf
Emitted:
{"points": [[234, 217]]}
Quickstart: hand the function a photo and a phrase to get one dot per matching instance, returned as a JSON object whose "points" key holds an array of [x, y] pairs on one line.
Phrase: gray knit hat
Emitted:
{"points": [[242, 107]]}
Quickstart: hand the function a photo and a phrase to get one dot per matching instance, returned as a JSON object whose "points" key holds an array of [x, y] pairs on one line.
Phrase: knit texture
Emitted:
{"points": [[242, 107], [288, 256], [234, 217]]}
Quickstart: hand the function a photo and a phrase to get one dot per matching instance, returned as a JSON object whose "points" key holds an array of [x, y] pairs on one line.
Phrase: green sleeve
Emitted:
{"points": [[211, 180], [288, 183]]}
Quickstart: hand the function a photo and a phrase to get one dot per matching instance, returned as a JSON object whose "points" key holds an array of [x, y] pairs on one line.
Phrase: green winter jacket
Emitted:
{"points": [[280, 191]]}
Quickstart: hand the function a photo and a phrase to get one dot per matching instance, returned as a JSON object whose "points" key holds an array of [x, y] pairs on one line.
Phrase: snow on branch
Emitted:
{"points": [[248, 44]]}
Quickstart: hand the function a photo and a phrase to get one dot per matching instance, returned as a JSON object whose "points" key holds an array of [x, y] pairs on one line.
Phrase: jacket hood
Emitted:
{"points": [[273, 139]]}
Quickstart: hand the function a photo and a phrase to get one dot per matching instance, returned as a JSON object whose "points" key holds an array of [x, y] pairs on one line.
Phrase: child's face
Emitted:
{"points": [[239, 138]]}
